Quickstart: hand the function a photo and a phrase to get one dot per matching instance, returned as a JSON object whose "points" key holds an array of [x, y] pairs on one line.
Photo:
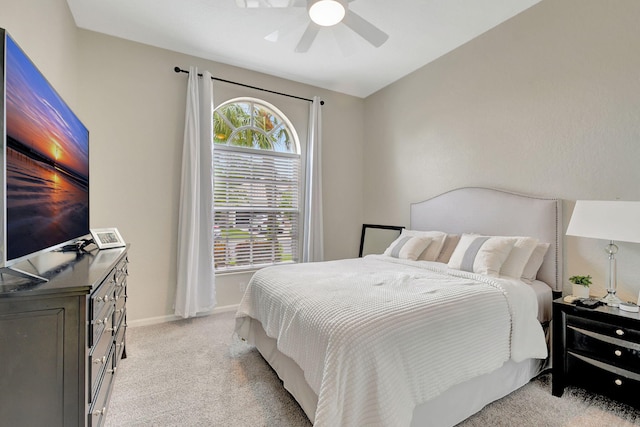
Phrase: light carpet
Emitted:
{"points": [[196, 372]]}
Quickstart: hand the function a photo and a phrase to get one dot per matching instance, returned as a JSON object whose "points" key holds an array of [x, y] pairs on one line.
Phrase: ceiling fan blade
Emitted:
{"points": [[308, 37], [289, 29], [345, 40], [251, 4], [365, 29]]}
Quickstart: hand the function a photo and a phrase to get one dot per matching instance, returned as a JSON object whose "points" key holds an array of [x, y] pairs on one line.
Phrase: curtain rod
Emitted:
{"points": [[180, 70]]}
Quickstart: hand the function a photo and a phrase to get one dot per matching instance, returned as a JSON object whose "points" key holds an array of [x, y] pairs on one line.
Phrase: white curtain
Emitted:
{"points": [[195, 292], [313, 246]]}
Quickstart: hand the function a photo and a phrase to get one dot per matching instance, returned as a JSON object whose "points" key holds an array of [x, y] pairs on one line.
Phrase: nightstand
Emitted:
{"points": [[598, 350]]}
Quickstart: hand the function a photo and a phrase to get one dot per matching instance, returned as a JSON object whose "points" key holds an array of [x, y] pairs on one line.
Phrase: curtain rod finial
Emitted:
{"points": [[177, 69]]}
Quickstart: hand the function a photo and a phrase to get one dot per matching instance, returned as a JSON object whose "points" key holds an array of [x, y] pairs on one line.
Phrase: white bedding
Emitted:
{"points": [[377, 336]]}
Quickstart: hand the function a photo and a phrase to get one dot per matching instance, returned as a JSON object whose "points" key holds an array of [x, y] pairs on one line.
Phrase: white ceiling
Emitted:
{"points": [[340, 60]]}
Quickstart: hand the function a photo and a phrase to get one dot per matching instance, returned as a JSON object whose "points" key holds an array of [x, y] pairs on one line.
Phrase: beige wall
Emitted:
{"points": [[547, 103], [133, 104], [135, 109], [45, 30]]}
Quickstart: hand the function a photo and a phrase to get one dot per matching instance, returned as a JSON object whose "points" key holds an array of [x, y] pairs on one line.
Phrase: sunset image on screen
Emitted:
{"points": [[47, 159]]}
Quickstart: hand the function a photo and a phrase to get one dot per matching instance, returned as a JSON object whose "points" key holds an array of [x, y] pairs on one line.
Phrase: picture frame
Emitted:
{"points": [[106, 238], [376, 238]]}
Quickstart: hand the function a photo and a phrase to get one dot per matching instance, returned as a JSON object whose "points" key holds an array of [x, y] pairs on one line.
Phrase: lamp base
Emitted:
{"points": [[611, 299]]}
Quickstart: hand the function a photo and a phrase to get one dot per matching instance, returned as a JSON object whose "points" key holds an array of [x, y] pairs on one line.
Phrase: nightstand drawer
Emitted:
{"points": [[604, 379], [605, 348], [609, 329]]}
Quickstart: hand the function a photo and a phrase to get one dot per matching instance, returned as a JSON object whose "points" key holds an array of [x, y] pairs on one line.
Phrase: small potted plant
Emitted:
{"points": [[580, 286]]}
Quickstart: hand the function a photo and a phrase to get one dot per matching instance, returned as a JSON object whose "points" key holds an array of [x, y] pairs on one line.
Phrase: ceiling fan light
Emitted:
{"points": [[326, 12]]}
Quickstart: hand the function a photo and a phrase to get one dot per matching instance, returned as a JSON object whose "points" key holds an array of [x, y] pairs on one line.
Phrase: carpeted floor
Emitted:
{"points": [[196, 372]]}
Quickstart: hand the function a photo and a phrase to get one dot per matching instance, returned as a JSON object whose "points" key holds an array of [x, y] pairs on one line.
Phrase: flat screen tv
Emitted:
{"points": [[44, 166]]}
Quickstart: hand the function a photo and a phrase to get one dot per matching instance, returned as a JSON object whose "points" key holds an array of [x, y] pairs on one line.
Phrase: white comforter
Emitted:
{"points": [[376, 336]]}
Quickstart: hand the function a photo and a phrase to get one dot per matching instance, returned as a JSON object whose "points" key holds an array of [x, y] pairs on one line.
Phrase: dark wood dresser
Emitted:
{"points": [[61, 340], [597, 349]]}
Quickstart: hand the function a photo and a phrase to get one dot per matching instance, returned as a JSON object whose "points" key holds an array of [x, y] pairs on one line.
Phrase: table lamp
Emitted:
{"points": [[607, 220]]}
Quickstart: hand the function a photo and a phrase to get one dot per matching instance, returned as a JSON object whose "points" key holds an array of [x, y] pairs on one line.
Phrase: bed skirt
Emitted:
{"points": [[455, 405]]}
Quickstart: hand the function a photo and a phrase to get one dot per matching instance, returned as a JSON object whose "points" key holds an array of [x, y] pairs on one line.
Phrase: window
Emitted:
{"points": [[257, 186]]}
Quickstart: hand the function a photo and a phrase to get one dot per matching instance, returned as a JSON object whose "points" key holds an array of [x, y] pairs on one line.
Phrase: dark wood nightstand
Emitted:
{"points": [[597, 349]]}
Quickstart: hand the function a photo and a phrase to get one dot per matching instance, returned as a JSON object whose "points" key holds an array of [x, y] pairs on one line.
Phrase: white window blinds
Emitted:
{"points": [[256, 208]]}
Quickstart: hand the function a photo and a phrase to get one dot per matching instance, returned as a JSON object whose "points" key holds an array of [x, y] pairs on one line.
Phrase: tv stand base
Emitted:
{"points": [[22, 274]]}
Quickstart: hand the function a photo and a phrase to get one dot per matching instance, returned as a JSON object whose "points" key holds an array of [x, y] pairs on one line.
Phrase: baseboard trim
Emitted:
{"points": [[173, 317]]}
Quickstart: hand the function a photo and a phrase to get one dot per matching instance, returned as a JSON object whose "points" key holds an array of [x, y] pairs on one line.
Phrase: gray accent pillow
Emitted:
{"points": [[481, 254], [407, 247]]}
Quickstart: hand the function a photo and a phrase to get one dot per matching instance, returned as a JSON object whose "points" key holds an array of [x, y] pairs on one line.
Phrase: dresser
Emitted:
{"points": [[597, 349], [61, 341]]}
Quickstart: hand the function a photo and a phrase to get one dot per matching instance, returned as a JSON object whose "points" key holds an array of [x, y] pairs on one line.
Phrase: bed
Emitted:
{"points": [[388, 340]]}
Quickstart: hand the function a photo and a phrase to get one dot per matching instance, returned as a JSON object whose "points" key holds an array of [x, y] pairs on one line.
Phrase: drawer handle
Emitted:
{"points": [[110, 329], [112, 371], [101, 321], [617, 353], [619, 332], [618, 381], [100, 361], [102, 299], [99, 412]]}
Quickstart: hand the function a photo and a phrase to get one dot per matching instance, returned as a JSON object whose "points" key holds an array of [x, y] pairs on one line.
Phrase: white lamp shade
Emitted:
{"points": [[327, 12], [608, 220]]}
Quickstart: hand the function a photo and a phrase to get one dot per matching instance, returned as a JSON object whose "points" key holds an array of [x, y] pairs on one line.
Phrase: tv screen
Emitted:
{"points": [[46, 162]]}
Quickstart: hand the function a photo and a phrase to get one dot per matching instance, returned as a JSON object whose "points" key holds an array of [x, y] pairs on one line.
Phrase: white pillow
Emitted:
{"points": [[433, 250], [407, 247], [518, 257], [535, 261], [481, 254]]}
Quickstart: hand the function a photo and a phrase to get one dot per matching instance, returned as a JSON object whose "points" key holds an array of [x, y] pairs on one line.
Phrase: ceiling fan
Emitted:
{"points": [[324, 13]]}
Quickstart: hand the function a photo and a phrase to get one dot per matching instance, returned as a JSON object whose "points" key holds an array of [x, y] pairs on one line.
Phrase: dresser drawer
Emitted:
{"points": [[608, 380], [609, 329], [98, 359], [99, 325], [120, 287], [614, 351], [102, 297], [118, 314], [121, 272], [120, 341], [107, 326], [98, 409], [101, 312]]}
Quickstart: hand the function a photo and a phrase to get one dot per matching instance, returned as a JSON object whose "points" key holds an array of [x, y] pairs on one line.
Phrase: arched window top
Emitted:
{"points": [[254, 124]]}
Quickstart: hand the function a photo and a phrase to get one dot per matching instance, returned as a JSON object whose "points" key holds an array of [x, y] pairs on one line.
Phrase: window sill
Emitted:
{"points": [[250, 270]]}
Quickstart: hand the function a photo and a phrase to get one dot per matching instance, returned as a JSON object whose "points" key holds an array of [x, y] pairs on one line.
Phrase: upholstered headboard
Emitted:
{"points": [[497, 213]]}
